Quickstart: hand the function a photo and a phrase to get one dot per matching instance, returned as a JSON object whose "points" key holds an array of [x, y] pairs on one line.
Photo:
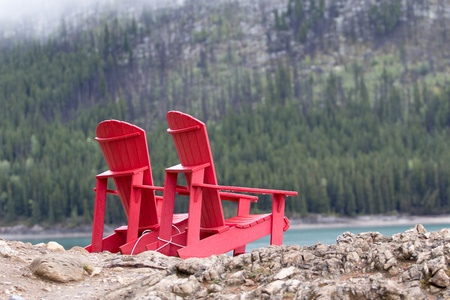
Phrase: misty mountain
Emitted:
{"points": [[346, 102]]}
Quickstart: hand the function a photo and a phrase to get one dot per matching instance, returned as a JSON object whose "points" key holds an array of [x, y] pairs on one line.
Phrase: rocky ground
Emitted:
{"points": [[410, 265]]}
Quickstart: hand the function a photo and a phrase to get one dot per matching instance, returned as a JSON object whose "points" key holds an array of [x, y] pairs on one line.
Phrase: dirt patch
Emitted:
{"points": [[16, 277]]}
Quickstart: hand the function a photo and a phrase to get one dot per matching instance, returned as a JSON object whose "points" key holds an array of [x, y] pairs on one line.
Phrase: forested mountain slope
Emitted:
{"points": [[346, 102]]}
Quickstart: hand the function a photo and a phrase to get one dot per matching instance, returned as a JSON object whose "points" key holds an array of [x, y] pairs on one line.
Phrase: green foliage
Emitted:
{"points": [[353, 142], [302, 20], [385, 15]]}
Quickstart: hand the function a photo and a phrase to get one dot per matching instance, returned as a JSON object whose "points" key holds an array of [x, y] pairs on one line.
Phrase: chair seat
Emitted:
{"points": [[177, 218], [246, 221]]}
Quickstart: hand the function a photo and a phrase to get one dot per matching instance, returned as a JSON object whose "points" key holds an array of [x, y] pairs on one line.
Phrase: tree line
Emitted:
{"points": [[369, 139]]}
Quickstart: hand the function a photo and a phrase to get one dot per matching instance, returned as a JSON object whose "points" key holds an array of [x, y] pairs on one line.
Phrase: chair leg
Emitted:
{"points": [[195, 209], [243, 209], [239, 251], [134, 208], [165, 231], [278, 203], [99, 215]]}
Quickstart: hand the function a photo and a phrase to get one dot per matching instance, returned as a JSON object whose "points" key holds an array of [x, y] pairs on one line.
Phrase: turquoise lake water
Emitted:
{"points": [[302, 237]]}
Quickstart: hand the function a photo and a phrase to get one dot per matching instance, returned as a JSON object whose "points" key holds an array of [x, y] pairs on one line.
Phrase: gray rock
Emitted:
{"points": [[59, 268], [214, 288], [334, 265], [391, 290], [420, 229], [353, 257], [407, 250], [320, 249], [440, 279], [307, 257], [349, 267], [185, 287], [16, 297], [285, 273], [437, 264], [440, 234], [273, 287], [390, 263], [210, 275], [346, 237], [79, 249], [423, 256], [415, 293], [413, 273], [190, 266], [292, 257], [240, 261], [438, 251], [54, 246], [6, 251], [236, 278]]}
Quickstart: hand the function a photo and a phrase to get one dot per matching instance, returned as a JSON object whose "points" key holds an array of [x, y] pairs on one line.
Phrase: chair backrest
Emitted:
{"points": [[125, 148], [192, 144]]}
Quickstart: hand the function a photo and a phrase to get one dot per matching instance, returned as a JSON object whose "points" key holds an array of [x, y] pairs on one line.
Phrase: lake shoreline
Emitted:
{"points": [[367, 221], [19, 232]]}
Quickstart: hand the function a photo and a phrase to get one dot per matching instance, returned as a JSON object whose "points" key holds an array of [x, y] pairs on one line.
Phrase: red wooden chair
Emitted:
{"points": [[124, 147], [208, 233]]}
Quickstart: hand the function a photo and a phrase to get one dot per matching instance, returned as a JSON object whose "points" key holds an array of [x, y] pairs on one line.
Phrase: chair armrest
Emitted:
{"points": [[244, 206], [237, 197], [148, 187], [245, 189], [109, 173], [113, 192], [182, 190], [184, 169], [243, 201]]}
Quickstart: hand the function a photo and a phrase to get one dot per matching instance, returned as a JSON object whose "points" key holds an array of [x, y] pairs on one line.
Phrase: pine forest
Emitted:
{"points": [[346, 102]]}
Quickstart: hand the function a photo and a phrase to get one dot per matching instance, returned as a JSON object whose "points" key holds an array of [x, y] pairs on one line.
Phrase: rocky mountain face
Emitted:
{"points": [[204, 43], [340, 30]]}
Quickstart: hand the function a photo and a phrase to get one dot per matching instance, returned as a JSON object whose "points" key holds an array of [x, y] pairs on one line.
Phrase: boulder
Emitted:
{"points": [[59, 268], [5, 250], [54, 246]]}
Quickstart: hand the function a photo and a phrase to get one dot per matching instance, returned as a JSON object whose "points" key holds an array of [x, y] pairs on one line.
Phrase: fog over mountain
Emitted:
{"points": [[40, 17]]}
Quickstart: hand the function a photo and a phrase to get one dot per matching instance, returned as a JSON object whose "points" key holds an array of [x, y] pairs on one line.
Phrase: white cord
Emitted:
{"points": [[166, 242], [143, 233], [169, 242]]}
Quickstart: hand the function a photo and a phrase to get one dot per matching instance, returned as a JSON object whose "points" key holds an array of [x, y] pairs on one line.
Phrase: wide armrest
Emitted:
{"points": [[184, 190], [245, 189], [114, 192], [237, 197], [109, 173], [186, 169]]}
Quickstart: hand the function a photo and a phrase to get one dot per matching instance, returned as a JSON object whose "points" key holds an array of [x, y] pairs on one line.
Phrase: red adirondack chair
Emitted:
{"points": [[124, 147], [208, 233]]}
